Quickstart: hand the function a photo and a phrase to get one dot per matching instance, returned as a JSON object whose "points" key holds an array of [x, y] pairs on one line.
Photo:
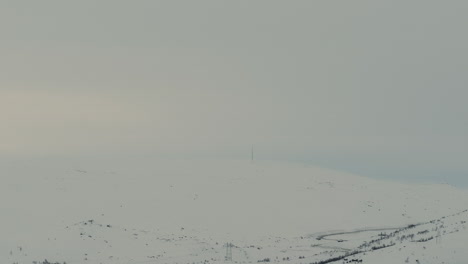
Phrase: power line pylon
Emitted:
{"points": [[228, 252], [438, 238]]}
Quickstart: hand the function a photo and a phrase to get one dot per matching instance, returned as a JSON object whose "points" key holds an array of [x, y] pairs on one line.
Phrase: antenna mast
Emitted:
{"points": [[252, 153]]}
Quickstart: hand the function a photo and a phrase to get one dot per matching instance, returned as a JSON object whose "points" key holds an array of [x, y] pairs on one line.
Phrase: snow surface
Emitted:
{"points": [[185, 211]]}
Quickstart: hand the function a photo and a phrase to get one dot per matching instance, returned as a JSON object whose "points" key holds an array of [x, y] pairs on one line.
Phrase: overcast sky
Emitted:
{"points": [[378, 88]]}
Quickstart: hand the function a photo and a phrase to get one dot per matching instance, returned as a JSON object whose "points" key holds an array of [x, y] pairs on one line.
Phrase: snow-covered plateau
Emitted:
{"points": [[216, 211]]}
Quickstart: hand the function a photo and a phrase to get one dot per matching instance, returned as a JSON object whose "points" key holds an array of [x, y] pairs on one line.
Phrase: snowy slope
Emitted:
{"points": [[170, 211]]}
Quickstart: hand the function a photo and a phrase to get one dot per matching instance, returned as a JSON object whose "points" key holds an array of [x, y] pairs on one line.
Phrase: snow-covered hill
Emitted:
{"points": [[170, 211]]}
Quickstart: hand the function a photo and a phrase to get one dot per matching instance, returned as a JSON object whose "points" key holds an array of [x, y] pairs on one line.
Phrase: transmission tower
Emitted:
{"points": [[438, 238], [228, 251]]}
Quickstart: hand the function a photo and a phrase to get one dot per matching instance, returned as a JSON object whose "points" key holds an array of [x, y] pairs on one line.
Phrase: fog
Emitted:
{"points": [[376, 88]]}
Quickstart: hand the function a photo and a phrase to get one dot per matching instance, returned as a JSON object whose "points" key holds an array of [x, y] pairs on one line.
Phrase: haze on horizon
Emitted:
{"points": [[376, 88]]}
